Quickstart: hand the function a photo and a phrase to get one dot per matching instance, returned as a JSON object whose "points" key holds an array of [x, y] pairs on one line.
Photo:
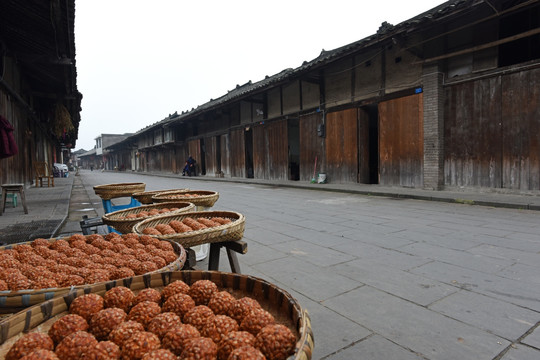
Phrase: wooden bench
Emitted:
{"points": [[43, 172], [13, 188]]}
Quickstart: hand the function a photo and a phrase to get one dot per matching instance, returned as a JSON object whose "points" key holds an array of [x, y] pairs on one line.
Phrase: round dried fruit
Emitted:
{"points": [[104, 350], [276, 341], [246, 352], [176, 287], [198, 316], [160, 354], [221, 302], [124, 331], [29, 343], [163, 322], [179, 304], [176, 337], [199, 348], [40, 354], [148, 294], [86, 305], [104, 321], [120, 297], [256, 320], [66, 325], [241, 307], [201, 291], [233, 340], [74, 345], [218, 326], [144, 312], [139, 344]]}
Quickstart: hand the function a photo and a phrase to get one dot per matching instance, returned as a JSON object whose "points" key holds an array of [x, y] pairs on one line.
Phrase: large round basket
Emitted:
{"points": [[112, 191], [202, 198], [232, 231], [285, 309], [124, 225], [145, 197], [13, 301]]}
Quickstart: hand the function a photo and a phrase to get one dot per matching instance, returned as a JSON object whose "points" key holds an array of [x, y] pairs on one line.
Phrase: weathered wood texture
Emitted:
{"points": [[211, 155], [237, 154], [401, 141], [311, 145], [342, 146], [278, 154], [260, 153], [521, 130], [472, 136], [492, 132], [225, 154], [270, 155], [194, 149], [363, 147]]}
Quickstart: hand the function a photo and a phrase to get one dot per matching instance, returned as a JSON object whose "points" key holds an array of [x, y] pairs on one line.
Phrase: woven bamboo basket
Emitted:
{"points": [[201, 198], [13, 301], [278, 302], [229, 232], [112, 191], [118, 221], [145, 197]]}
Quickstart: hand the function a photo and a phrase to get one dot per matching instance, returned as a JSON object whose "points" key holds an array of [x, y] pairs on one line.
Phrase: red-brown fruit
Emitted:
{"points": [[276, 342], [66, 325], [232, 341], [144, 312], [219, 326], [105, 321], [29, 343], [175, 338], [74, 345], [198, 316], [161, 324], [246, 352], [176, 287], [124, 331], [179, 304], [86, 305], [120, 297], [200, 348], [201, 291], [139, 344]]}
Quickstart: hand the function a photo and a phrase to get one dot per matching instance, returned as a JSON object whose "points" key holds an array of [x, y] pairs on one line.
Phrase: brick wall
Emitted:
{"points": [[433, 127]]}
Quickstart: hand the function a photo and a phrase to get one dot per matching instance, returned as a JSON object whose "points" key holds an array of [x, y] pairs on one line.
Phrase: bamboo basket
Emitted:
{"points": [[145, 197], [203, 198], [285, 309], [229, 232], [112, 191], [13, 301], [117, 219]]}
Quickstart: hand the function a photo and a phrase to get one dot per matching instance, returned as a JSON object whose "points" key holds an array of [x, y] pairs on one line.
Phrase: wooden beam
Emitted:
{"points": [[481, 47]]}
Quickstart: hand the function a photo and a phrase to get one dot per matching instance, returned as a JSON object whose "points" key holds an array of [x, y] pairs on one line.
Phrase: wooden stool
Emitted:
{"points": [[13, 188]]}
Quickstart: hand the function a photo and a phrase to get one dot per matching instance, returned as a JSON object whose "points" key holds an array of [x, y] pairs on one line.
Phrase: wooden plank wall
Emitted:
{"points": [[278, 152], [311, 145], [342, 146], [401, 141], [260, 153], [237, 154], [521, 130], [492, 132], [210, 155], [194, 149], [363, 147], [472, 135], [225, 154]]}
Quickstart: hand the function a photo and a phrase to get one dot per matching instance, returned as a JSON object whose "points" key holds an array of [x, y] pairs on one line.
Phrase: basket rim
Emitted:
{"points": [[146, 196], [111, 191], [297, 316], [206, 198], [178, 249], [195, 237], [111, 216], [203, 193], [126, 225]]}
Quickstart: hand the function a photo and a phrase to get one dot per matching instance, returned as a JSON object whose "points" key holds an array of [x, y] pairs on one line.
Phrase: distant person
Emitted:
{"points": [[189, 167]]}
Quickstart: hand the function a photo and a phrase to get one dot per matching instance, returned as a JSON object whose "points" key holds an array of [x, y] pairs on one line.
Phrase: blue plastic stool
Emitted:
{"points": [[12, 198], [109, 208]]}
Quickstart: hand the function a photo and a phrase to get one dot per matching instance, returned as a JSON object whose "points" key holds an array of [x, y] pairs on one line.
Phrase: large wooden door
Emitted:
{"points": [[342, 146], [401, 141]]}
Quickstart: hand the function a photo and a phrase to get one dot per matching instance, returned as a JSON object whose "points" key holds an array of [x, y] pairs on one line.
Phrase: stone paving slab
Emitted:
{"points": [[416, 328], [493, 315]]}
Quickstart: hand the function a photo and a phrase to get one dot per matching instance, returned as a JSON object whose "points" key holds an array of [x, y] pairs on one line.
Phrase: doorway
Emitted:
{"points": [[368, 144], [293, 134], [248, 141]]}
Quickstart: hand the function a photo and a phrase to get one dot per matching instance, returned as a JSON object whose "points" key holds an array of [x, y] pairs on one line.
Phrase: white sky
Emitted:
{"points": [[139, 61]]}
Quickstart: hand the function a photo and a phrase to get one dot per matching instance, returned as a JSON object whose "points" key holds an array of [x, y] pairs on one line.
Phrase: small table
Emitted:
{"points": [[13, 188]]}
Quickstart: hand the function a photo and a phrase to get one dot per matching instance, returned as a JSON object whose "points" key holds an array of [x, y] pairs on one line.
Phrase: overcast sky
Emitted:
{"points": [[139, 61]]}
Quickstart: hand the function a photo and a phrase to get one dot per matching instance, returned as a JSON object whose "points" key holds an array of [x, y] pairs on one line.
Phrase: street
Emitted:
{"points": [[386, 278]]}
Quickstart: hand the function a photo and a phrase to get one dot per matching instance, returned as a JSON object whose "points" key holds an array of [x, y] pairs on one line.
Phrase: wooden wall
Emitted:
{"points": [[225, 154], [237, 154], [342, 146], [401, 141], [311, 145], [194, 149], [211, 155], [492, 132], [278, 154], [260, 153]]}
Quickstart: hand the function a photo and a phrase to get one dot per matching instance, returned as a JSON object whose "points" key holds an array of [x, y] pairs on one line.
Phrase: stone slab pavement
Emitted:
{"points": [[384, 273]]}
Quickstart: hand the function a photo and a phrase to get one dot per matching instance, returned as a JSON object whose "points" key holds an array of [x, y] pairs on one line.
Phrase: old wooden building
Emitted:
{"points": [[449, 98], [38, 89]]}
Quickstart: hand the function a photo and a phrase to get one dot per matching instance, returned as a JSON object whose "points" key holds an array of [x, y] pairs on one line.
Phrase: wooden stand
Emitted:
{"points": [[13, 188]]}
